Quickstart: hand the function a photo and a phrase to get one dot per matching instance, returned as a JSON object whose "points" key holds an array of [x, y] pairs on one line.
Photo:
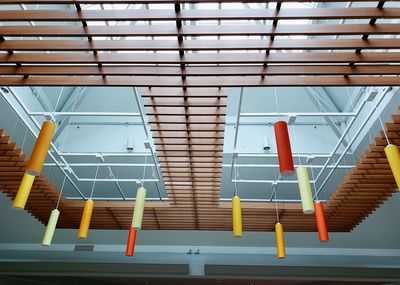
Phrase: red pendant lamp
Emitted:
{"points": [[130, 245], [321, 224], [285, 157]]}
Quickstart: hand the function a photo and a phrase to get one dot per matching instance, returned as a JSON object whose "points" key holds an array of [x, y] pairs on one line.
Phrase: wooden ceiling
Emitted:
{"points": [[195, 206], [77, 58], [187, 114]]}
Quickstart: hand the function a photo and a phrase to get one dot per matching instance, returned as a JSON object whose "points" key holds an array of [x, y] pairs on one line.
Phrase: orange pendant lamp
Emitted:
{"points": [[85, 219], [35, 164], [41, 148], [286, 165], [130, 245], [321, 223]]}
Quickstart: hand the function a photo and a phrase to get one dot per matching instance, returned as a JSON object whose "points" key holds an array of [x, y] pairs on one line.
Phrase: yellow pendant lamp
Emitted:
{"points": [[35, 163], [52, 223], [280, 241], [305, 190], [393, 156], [139, 208], [23, 191], [85, 220], [236, 217], [51, 227]]}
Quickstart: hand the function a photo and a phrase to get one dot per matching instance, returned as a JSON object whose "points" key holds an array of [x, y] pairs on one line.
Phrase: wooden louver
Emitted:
{"points": [[77, 58], [363, 190]]}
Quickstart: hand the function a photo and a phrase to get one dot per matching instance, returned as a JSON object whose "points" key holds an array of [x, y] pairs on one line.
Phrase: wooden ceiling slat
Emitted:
{"points": [[234, 81], [225, 71], [195, 15], [200, 58], [72, 2], [169, 45], [198, 30]]}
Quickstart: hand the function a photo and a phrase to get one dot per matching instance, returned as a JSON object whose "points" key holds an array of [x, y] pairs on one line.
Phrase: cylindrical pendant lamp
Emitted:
{"points": [[393, 156], [23, 191], [236, 217], [130, 245], [280, 241], [285, 157], [139, 208], [85, 220], [51, 227], [321, 224], [41, 148], [305, 190]]}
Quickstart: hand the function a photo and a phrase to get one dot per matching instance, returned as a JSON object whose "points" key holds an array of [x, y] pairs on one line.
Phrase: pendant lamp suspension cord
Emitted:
{"points": [[235, 190], [326, 137], [297, 142], [314, 186], [23, 141], [94, 182], [277, 104], [58, 101], [384, 130], [276, 208], [144, 171], [61, 191]]}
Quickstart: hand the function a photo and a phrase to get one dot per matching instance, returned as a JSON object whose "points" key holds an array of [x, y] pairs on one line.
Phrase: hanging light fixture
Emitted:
{"points": [[87, 211], [85, 219], [285, 157], [236, 210], [51, 227], [320, 216], [23, 191], [35, 164], [321, 224], [52, 223], [41, 148], [305, 190], [393, 157], [303, 180], [130, 245], [280, 241], [236, 217], [139, 208]]}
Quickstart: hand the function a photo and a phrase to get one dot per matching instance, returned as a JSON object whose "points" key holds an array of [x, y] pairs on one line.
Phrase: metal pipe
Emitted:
{"points": [[104, 164], [267, 181], [277, 165], [116, 180], [311, 114], [142, 116], [338, 144], [266, 200], [353, 139], [104, 154], [236, 130], [272, 155], [84, 114], [84, 164], [35, 135], [114, 199]]}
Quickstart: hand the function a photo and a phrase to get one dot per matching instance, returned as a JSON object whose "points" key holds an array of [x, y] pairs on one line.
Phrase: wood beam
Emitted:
{"points": [[199, 30], [196, 15], [233, 81], [163, 45]]}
